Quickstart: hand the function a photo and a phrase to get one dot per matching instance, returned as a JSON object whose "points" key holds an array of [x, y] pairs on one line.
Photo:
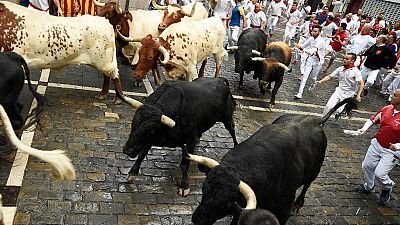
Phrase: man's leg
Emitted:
{"points": [[369, 164], [333, 100], [307, 70]]}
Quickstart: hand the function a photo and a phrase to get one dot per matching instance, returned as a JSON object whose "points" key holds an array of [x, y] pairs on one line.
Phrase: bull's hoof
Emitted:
{"points": [[101, 96], [296, 209], [116, 101], [262, 91], [137, 84], [269, 91], [130, 177], [183, 192]]}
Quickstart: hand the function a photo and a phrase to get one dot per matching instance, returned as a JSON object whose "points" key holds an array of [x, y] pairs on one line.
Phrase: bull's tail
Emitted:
{"points": [[230, 94], [33, 117], [350, 105], [61, 164]]}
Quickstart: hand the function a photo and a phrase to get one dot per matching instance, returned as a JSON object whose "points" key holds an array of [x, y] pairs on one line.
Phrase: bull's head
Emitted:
{"points": [[271, 66], [149, 53], [222, 189], [174, 13], [113, 12], [243, 56], [147, 120]]}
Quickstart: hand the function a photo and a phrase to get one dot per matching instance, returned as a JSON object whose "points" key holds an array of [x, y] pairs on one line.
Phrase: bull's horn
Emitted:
{"points": [[157, 6], [97, 3], [248, 194], [61, 164], [258, 59], [191, 12], [132, 102], [118, 8], [232, 47], [165, 54], [255, 52], [283, 66], [167, 121], [210, 163], [117, 28]]}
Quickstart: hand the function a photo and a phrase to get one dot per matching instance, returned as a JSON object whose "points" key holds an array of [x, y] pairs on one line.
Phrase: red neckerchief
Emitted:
{"points": [[359, 29], [348, 20], [349, 66], [327, 22]]}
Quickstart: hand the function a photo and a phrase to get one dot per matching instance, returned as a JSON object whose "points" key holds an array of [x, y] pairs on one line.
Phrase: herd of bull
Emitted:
{"points": [[263, 171]]}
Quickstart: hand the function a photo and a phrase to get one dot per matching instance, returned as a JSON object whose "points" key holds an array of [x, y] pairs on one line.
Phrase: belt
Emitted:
{"points": [[274, 15], [253, 26]]}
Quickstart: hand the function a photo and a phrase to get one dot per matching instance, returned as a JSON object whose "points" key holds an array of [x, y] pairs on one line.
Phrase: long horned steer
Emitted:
{"points": [[274, 162], [61, 164], [275, 61], [181, 49], [46, 41], [176, 115], [137, 24], [176, 13]]}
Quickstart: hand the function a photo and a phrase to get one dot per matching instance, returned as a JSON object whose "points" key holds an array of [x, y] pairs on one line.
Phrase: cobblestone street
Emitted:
{"points": [[93, 132]]}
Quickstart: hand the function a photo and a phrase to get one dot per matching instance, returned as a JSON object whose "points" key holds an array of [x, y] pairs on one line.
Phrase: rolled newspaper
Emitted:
{"points": [[352, 132]]}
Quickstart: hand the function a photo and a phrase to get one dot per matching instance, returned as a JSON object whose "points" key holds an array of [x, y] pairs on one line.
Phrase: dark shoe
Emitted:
{"points": [[385, 196], [365, 92], [361, 189]]}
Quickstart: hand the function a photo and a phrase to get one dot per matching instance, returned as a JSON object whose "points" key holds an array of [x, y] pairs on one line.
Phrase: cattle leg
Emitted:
{"points": [[230, 126], [241, 79], [202, 68], [184, 188], [300, 200], [135, 168], [156, 76], [275, 91], [106, 87], [235, 220], [118, 87]]}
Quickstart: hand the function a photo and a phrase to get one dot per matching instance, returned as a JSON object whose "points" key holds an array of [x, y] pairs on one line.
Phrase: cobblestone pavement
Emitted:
{"points": [[92, 133]]}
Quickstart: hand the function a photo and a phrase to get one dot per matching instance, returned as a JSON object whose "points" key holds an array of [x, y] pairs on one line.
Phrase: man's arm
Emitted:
{"points": [[59, 11], [326, 78], [360, 89]]}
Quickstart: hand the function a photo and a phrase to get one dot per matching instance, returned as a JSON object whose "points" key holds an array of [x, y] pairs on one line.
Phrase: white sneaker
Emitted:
{"points": [[298, 96], [312, 87]]}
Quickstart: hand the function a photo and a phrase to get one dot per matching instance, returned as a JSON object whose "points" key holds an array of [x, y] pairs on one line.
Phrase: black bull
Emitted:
{"points": [[194, 106], [251, 42], [13, 70], [274, 162]]}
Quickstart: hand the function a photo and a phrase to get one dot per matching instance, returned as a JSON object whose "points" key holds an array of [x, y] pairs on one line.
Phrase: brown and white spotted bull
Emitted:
{"points": [[176, 13], [182, 48], [47, 42], [276, 60]]}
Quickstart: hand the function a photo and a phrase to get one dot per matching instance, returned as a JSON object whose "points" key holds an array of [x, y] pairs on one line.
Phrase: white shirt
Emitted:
{"points": [[257, 18], [315, 48], [350, 25], [222, 8], [303, 11], [337, 6], [41, 4], [359, 43], [276, 8], [328, 29], [294, 17], [304, 30], [347, 78]]}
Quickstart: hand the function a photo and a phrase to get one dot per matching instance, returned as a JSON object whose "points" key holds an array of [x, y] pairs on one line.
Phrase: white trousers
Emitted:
{"points": [[337, 96], [272, 21], [391, 83], [290, 31], [369, 76], [312, 68], [377, 164], [233, 35]]}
